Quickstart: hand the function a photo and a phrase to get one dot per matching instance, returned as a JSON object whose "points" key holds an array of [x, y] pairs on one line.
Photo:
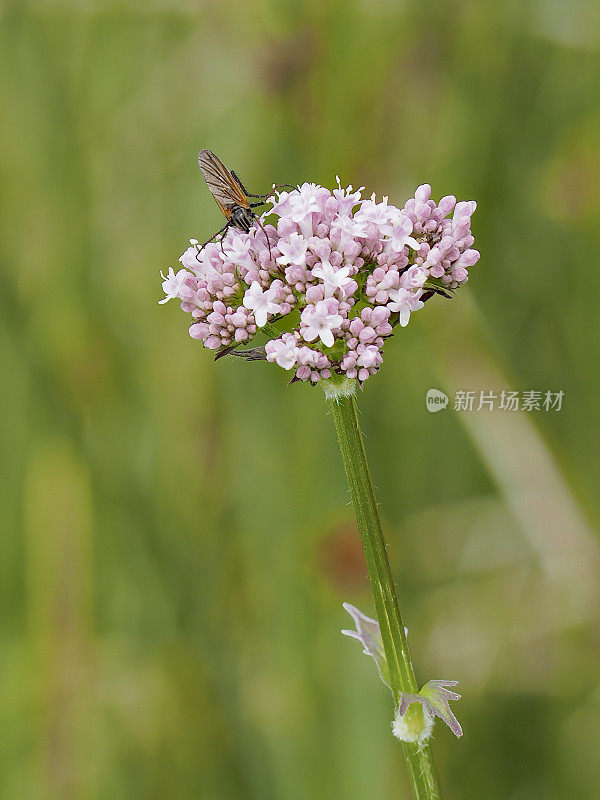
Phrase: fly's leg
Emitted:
{"points": [[222, 231], [260, 225], [243, 188], [223, 236], [268, 194]]}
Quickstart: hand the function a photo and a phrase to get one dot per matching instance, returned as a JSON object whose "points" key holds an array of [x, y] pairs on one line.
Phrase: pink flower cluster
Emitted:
{"points": [[327, 280]]}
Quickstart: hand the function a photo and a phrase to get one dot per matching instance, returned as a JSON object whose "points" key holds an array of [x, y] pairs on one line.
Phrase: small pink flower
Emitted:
{"points": [[239, 249], [346, 198], [320, 323], [345, 230], [333, 279], [380, 214], [261, 302], [293, 250], [414, 278], [283, 351], [399, 229], [175, 285], [190, 257], [404, 302]]}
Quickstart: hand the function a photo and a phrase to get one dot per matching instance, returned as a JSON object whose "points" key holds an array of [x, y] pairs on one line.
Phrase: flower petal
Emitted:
{"points": [[434, 697], [369, 635]]}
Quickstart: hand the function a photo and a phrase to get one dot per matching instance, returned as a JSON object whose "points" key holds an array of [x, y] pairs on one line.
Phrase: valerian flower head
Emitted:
{"points": [[326, 280], [415, 715]]}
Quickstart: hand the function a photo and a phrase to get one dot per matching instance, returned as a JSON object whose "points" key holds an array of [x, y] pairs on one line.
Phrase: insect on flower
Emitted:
{"points": [[231, 196]]}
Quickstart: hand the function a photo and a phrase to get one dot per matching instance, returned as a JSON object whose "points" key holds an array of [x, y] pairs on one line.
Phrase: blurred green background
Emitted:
{"points": [[176, 535]]}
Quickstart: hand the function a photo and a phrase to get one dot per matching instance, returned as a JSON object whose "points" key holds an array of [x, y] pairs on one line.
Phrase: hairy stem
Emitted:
{"points": [[402, 676]]}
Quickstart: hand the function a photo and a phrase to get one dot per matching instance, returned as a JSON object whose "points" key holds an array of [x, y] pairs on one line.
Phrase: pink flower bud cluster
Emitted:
{"points": [[327, 279], [445, 251], [365, 335]]}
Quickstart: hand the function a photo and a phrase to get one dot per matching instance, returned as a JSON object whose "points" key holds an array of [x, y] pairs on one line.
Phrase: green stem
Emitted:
{"points": [[402, 676]]}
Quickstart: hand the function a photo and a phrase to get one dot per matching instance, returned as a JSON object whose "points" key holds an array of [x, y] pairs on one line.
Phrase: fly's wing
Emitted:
{"points": [[223, 187]]}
